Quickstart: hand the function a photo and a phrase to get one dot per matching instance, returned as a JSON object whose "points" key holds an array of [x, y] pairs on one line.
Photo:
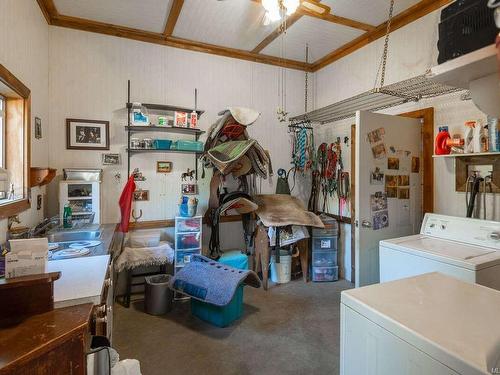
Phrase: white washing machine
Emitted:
{"points": [[429, 324], [468, 249]]}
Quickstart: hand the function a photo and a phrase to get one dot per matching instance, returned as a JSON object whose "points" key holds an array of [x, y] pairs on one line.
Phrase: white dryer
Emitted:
{"points": [[429, 324], [468, 249]]}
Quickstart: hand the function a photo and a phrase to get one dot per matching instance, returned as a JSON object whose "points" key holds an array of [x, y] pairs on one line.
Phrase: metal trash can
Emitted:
{"points": [[158, 296]]}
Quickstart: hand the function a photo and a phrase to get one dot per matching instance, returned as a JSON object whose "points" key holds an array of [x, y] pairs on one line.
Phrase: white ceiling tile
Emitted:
{"points": [[230, 23], [149, 15], [373, 12], [323, 37]]}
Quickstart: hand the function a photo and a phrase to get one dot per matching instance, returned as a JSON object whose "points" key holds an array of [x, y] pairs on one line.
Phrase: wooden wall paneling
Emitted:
{"points": [[157, 38]]}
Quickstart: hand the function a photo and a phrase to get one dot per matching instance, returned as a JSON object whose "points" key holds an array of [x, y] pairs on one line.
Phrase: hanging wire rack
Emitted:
{"points": [[410, 90]]}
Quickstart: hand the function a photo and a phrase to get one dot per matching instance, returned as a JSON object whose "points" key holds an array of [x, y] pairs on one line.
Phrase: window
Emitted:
{"points": [[15, 104], [2, 131]]}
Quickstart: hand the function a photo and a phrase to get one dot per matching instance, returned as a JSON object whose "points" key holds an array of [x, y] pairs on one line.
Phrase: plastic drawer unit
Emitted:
{"points": [[325, 274], [324, 258], [324, 243], [188, 239]]}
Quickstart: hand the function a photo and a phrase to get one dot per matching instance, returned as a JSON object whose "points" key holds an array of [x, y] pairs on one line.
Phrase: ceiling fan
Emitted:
{"points": [[276, 8]]}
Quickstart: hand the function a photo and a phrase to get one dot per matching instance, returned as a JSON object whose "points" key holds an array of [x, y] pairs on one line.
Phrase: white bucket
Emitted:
{"points": [[281, 272]]}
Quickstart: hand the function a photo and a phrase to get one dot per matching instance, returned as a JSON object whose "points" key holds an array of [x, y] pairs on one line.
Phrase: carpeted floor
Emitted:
{"points": [[290, 329]]}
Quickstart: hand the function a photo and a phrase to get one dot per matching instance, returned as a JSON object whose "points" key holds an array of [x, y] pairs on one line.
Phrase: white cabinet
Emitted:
{"points": [[84, 198]]}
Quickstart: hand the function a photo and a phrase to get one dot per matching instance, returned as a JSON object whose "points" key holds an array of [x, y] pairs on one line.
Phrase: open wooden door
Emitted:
{"points": [[388, 186]]}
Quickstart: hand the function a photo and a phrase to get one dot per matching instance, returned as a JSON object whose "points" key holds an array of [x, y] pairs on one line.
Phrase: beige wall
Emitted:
{"points": [[24, 51], [412, 52]]}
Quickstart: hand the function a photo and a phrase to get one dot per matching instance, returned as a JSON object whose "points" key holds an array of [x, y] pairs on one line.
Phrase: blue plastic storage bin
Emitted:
{"points": [[220, 316], [162, 144], [225, 315]]}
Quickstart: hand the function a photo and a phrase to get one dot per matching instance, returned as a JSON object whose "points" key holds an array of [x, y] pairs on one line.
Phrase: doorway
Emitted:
{"points": [[426, 116]]}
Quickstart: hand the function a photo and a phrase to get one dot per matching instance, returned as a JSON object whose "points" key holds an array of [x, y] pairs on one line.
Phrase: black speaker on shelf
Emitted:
{"points": [[466, 26]]}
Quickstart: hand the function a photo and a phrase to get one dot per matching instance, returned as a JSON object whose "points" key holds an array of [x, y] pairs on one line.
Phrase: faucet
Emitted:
{"points": [[44, 225]]}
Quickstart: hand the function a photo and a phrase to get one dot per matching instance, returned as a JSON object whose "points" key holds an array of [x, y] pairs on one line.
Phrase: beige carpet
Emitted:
{"points": [[291, 329]]}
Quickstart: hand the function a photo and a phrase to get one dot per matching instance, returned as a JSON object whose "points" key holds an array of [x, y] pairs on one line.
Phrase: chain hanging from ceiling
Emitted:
{"points": [[383, 62], [281, 111]]}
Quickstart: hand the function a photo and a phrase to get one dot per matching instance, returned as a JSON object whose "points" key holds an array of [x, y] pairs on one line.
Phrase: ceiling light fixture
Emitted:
{"points": [[274, 7]]}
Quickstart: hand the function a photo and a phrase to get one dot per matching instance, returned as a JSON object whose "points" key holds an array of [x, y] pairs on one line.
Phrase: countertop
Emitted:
{"points": [[81, 280], [36, 335]]}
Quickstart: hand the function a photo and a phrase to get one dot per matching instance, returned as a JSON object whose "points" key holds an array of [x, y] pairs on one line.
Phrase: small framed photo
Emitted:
{"points": [[189, 189], [38, 128], [163, 166], [141, 195], [87, 134], [111, 159]]}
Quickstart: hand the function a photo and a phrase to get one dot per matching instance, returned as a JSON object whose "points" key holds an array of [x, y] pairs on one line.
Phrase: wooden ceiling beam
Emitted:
{"points": [[406, 17], [290, 20], [337, 19], [48, 9], [173, 16], [159, 38]]}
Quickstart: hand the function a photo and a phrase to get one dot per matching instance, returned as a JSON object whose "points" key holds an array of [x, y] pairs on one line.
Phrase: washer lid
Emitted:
{"points": [[456, 253], [454, 322]]}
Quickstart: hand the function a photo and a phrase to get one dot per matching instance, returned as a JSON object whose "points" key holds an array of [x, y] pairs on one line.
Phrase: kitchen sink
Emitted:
{"points": [[79, 235]]}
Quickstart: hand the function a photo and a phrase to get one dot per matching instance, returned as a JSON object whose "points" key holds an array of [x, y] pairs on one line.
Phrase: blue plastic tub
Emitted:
{"points": [[162, 144], [183, 145], [223, 316], [217, 315]]}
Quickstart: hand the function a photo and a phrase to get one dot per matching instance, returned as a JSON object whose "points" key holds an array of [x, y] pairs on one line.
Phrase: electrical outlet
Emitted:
{"points": [[480, 170]]}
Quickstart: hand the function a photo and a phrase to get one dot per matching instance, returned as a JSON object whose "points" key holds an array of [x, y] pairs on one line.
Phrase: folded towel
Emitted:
{"points": [[209, 281]]}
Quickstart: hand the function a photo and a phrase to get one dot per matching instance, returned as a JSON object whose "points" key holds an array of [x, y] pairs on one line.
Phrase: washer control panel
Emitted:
{"points": [[482, 233]]}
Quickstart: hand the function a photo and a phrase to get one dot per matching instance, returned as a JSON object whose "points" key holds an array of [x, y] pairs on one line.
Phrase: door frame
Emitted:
{"points": [[426, 115]]}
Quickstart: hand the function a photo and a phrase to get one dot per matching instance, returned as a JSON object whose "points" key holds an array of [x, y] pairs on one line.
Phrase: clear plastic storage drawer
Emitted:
{"points": [[324, 259], [188, 241], [325, 273], [184, 257], [188, 224]]}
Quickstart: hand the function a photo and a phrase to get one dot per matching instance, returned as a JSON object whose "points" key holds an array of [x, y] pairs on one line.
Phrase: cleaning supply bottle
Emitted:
{"points": [[494, 134], [469, 137], [67, 216]]}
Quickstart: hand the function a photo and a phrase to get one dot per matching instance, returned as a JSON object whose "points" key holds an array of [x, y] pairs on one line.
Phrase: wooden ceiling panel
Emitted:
{"points": [[233, 24], [150, 15], [322, 37], [373, 12]]}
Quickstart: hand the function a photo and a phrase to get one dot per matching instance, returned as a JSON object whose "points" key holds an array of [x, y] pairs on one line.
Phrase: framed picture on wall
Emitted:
{"points": [[38, 128], [111, 159], [163, 166], [87, 134]]}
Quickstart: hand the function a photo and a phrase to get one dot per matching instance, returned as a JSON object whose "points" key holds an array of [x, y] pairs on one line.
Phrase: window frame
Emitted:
{"points": [[23, 203], [2, 131]]}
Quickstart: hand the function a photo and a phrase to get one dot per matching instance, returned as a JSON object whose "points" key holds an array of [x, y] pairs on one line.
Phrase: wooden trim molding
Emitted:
{"points": [[157, 38], [290, 20], [170, 223], [48, 9], [329, 17], [373, 33], [427, 116], [406, 17], [20, 110], [173, 16]]}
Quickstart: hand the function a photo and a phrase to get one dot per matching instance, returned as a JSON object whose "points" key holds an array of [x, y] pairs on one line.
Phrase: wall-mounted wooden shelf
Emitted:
{"points": [[465, 155], [41, 176]]}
